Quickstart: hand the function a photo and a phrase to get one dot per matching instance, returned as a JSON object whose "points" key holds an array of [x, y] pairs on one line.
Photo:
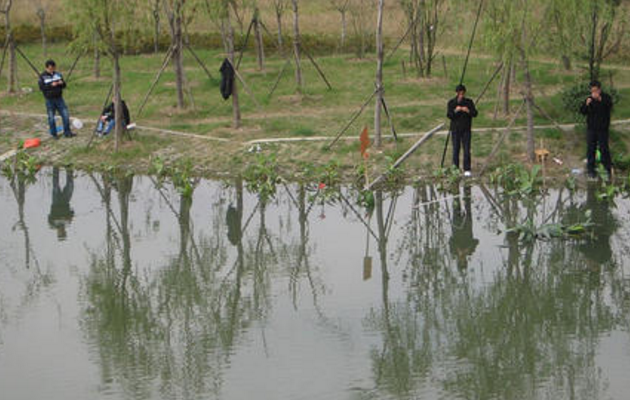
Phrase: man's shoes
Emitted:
{"points": [[467, 174], [70, 135], [592, 178]]}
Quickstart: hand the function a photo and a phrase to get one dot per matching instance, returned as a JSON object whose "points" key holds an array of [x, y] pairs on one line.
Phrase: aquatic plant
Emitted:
{"points": [[516, 179], [528, 231], [262, 176], [22, 166]]}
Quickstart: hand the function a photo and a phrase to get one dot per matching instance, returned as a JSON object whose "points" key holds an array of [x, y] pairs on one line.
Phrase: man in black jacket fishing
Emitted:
{"points": [[597, 108], [51, 84], [461, 111]]}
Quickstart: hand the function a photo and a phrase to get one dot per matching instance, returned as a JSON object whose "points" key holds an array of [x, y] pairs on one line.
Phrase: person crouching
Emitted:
{"points": [[107, 121]]}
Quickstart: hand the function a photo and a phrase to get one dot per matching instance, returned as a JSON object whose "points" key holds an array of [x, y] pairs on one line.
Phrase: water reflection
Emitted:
{"points": [[61, 212], [449, 305]]}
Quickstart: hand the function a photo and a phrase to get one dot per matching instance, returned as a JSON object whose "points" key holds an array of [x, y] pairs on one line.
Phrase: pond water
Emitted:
{"points": [[119, 288]]}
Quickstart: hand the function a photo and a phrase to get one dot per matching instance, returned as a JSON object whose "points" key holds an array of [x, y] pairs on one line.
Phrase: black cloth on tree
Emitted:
{"points": [[227, 79]]}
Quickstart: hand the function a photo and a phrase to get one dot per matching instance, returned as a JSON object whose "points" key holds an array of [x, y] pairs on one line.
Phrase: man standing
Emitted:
{"points": [[461, 111], [597, 108], [51, 84]]}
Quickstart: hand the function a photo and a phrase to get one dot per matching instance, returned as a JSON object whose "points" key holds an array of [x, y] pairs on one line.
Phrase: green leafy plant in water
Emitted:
{"points": [[23, 166], [181, 176], [365, 199], [158, 167], [262, 176], [528, 231], [607, 190], [448, 178], [394, 176], [516, 179]]}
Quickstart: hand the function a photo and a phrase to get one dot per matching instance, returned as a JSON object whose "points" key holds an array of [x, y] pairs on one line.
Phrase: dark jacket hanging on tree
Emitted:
{"points": [[227, 79]]}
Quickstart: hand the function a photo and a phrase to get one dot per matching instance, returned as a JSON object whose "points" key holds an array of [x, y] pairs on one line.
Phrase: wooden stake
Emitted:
{"points": [[354, 118], [321, 73], [495, 149], [275, 85], [249, 92], [408, 154], [167, 59], [196, 57]]}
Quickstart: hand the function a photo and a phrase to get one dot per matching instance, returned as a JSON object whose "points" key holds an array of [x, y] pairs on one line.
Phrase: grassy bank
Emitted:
{"points": [[417, 105]]}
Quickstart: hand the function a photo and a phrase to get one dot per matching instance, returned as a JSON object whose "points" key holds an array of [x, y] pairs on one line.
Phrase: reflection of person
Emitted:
{"points": [[61, 213], [461, 111], [597, 108], [463, 243], [597, 248], [51, 84], [108, 119]]}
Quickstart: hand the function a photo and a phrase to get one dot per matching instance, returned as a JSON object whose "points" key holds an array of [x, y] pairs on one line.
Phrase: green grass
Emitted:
{"points": [[416, 104]]}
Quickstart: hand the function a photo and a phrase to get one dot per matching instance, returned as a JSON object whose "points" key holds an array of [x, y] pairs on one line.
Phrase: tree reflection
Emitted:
{"points": [[533, 331]]}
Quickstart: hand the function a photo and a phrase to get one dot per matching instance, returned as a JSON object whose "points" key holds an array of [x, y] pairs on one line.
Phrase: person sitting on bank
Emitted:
{"points": [[52, 84], [461, 111], [107, 121], [597, 108]]}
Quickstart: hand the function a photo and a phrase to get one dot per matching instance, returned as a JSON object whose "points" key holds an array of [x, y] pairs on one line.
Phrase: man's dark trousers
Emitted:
{"points": [[462, 139], [595, 138]]}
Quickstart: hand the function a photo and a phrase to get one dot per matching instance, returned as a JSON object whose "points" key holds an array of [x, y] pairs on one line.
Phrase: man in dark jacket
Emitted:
{"points": [[51, 84], [597, 108], [108, 118], [461, 111]]}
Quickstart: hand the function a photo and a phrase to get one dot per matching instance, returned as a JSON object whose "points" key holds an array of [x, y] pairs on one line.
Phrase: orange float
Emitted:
{"points": [[32, 143]]}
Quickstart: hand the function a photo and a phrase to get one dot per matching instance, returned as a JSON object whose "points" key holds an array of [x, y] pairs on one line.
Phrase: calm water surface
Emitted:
{"points": [[118, 288]]}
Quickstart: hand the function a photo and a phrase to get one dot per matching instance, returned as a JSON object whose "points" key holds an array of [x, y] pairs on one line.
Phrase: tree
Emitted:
{"points": [[297, 44], [9, 47], [175, 15], [379, 74], [155, 13], [260, 45], [342, 6], [279, 7], [361, 12], [107, 25], [424, 21], [589, 30], [41, 11]]}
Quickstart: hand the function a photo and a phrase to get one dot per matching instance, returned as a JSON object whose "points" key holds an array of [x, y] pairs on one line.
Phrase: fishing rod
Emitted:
{"points": [[461, 81]]}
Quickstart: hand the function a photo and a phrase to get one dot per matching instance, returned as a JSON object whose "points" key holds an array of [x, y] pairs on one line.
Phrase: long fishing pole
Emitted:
{"points": [[461, 80]]}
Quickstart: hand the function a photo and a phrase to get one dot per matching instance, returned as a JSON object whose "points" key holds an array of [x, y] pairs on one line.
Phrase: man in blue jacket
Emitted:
{"points": [[51, 84], [461, 111], [597, 108]]}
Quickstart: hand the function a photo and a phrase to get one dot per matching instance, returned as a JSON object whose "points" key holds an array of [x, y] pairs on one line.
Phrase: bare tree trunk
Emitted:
{"points": [[591, 57], [41, 14], [260, 45], [279, 22], [297, 45], [118, 110], [97, 59], [12, 77], [236, 109], [529, 100], [507, 87], [344, 29], [156, 26], [379, 75], [178, 53], [421, 20]]}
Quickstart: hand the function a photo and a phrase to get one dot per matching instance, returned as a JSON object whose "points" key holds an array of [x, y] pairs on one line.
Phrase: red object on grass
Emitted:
{"points": [[322, 186], [32, 143]]}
